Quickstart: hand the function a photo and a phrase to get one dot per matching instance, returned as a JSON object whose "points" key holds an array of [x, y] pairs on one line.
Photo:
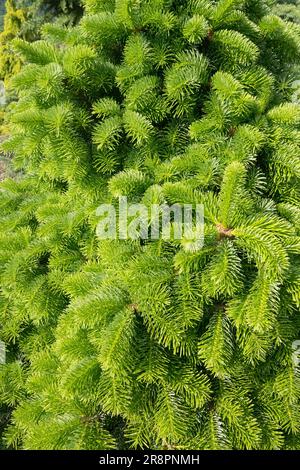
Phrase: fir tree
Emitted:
{"points": [[151, 344]]}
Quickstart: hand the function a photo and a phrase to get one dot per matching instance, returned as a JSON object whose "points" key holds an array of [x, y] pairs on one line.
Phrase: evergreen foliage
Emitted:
{"points": [[151, 344]]}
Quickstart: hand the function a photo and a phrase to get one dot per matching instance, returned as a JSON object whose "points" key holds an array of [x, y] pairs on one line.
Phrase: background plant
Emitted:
{"points": [[119, 343], [24, 19], [288, 10]]}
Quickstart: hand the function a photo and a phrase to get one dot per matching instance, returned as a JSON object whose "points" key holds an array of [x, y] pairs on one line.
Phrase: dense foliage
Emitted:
{"points": [[148, 343]]}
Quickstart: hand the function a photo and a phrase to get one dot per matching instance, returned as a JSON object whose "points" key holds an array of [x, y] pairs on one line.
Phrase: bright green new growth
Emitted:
{"points": [[148, 344]]}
